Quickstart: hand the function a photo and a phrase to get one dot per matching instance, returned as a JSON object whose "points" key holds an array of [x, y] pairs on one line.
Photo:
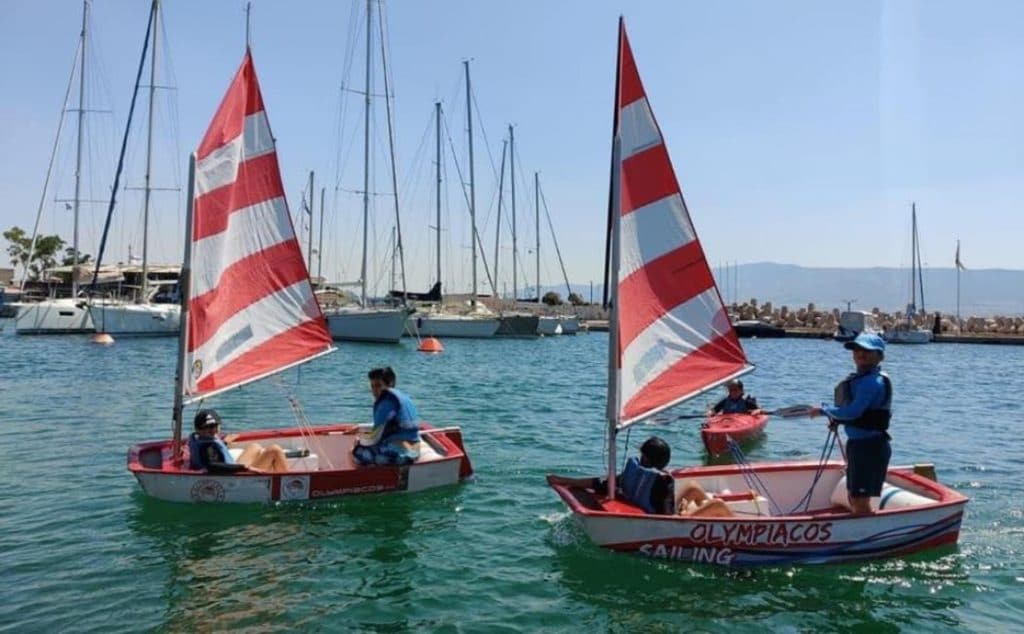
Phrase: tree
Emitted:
{"points": [[69, 257], [575, 299], [43, 256], [551, 298]]}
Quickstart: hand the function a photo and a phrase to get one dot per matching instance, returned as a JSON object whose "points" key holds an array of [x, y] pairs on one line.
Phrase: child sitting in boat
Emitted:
{"points": [[208, 452], [736, 402], [645, 484], [395, 437]]}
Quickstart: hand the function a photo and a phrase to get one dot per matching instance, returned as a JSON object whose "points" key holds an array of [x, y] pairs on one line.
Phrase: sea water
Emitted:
{"points": [[82, 549]]}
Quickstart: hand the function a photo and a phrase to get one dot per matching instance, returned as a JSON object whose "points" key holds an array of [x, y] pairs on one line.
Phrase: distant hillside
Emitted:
{"points": [[982, 292]]}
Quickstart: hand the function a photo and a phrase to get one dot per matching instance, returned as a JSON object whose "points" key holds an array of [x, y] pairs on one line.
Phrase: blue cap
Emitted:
{"points": [[865, 341]]}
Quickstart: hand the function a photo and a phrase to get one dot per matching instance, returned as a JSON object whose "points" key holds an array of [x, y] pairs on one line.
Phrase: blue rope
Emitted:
{"points": [[749, 475]]}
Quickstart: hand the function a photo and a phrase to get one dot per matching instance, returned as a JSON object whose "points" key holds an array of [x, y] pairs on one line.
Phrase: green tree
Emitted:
{"points": [[69, 257], [551, 298], [575, 299], [43, 256]]}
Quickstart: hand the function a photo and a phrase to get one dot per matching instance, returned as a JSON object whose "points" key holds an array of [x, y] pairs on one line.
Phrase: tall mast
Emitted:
{"points": [[185, 289], [472, 182], [913, 257], [78, 151], [149, 156], [920, 267], [366, 149], [391, 150], [536, 203], [437, 133], [512, 177], [394, 253], [309, 250], [497, 226], [320, 244]]}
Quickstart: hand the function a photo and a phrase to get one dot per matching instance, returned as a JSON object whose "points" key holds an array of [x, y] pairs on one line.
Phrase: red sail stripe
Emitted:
{"points": [[647, 176], [258, 180], [242, 98], [657, 288], [291, 346], [706, 365], [630, 86], [245, 282]]}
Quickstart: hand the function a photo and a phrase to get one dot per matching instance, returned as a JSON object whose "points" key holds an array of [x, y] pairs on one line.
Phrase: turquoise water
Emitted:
{"points": [[81, 549]]}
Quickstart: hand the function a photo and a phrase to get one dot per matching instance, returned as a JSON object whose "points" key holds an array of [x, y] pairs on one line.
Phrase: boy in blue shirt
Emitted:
{"points": [[863, 404]]}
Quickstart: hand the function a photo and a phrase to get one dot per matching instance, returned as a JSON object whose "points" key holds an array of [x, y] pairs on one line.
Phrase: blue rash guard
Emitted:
{"points": [[395, 422], [868, 392]]}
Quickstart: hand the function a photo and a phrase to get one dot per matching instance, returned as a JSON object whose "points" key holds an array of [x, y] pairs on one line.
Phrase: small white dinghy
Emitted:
{"points": [[670, 340], [248, 311]]}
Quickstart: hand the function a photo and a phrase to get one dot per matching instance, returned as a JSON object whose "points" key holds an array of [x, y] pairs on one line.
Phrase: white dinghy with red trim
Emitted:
{"points": [[248, 312], [670, 339]]}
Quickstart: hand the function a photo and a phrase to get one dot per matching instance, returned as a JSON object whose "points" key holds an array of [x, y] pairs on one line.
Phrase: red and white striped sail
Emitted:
{"points": [[251, 309], [675, 339]]}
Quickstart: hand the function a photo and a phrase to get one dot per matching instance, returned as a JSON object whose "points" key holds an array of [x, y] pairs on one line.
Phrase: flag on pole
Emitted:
{"points": [[959, 265]]}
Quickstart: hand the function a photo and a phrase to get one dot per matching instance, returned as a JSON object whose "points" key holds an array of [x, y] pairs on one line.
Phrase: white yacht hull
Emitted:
{"points": [[139, 320], [570, 325], [53, 317], [382, 325], [908, 336], [549, 326], [451, 326]]}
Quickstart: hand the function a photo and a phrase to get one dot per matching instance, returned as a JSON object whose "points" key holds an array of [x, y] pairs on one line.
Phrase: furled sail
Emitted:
{"points": [[674, 337], [251, 309]]}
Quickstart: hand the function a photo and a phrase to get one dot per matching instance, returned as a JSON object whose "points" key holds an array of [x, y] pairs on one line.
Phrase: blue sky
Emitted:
{"points": [[800, 131]]}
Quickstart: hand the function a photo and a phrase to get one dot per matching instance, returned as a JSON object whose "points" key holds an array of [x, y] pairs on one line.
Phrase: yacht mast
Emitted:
{"points": [[149, 157], [391, 149], [497, 226], [366, 149], [78, 150], [536, 202], [472, 182], [309, 250], [437, 133], [512, 177]]}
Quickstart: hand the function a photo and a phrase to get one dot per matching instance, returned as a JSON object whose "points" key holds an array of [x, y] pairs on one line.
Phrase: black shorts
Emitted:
{"points": [[867, 460]]}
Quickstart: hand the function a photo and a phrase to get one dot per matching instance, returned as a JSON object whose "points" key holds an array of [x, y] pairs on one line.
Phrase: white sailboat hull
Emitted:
{"points": [[383, 325], [53, 317], [451, 326], [570, 324], [139, 320], [549, 326]]}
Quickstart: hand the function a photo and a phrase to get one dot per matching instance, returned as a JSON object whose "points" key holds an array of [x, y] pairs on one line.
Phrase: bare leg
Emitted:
{"points": [[250, 454], [690, 491], [860, 505], [712, 508], [271, 460]]}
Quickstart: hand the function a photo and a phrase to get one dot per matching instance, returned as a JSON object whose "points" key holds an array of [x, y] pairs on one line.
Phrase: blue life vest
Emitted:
{"points": [[404, 424], [197, 451], [636, 483], [875, 418]]}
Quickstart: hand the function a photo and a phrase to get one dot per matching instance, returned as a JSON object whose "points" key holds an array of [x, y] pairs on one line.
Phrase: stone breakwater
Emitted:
{"points": [[810, 317]]}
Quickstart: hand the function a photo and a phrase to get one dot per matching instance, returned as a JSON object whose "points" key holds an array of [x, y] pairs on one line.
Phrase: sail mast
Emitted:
{"points": [[920, 267], [391, 149], [536, 205], [149, 156], [512, 178], [309, 238], [472, 180], [437, 134], [497, 225], [78, 150], [185, 290], [320, 243], [366, 150]]}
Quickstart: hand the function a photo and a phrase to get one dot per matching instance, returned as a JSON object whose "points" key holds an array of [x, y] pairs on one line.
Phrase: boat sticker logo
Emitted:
{"points": [[207, 491], [197, 368], [295, 487]]}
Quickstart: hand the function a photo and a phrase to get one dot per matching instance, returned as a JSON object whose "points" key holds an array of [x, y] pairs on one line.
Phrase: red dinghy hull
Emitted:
{"points": [[327, 471], [717, 430]]}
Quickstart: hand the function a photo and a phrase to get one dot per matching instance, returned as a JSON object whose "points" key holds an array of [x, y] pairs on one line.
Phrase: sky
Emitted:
{"points": [[800, 131]]}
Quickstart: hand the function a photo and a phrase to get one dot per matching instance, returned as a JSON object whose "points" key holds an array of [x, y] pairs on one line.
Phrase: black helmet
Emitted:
{"points": [[656, 453], [735, 382], [206, 418]]}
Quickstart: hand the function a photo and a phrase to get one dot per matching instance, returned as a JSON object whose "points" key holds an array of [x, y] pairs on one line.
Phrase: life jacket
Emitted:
{"points": [[873, 419], [739, 405], [636, 483], [406, 424], [197, 451]]}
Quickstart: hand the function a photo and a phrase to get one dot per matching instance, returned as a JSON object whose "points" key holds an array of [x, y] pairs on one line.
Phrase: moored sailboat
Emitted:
{"points": [[907, 332], [248, 312], [670, 339]]}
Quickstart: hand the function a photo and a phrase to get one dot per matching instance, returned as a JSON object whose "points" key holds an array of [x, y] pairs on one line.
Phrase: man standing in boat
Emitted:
{"points": [[395, 437], [863, 403], [736, 402]]}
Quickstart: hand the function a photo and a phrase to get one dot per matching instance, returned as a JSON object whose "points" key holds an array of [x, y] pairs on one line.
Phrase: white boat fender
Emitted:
{"points": [[892, 497]]}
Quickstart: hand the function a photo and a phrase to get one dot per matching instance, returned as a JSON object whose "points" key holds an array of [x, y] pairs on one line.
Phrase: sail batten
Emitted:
{"points": [[252, 311], [674, 339]]}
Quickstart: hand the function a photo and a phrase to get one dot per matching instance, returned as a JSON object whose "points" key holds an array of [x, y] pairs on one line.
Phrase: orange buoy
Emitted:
{"points": [[430, 344], [102, 338]]}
